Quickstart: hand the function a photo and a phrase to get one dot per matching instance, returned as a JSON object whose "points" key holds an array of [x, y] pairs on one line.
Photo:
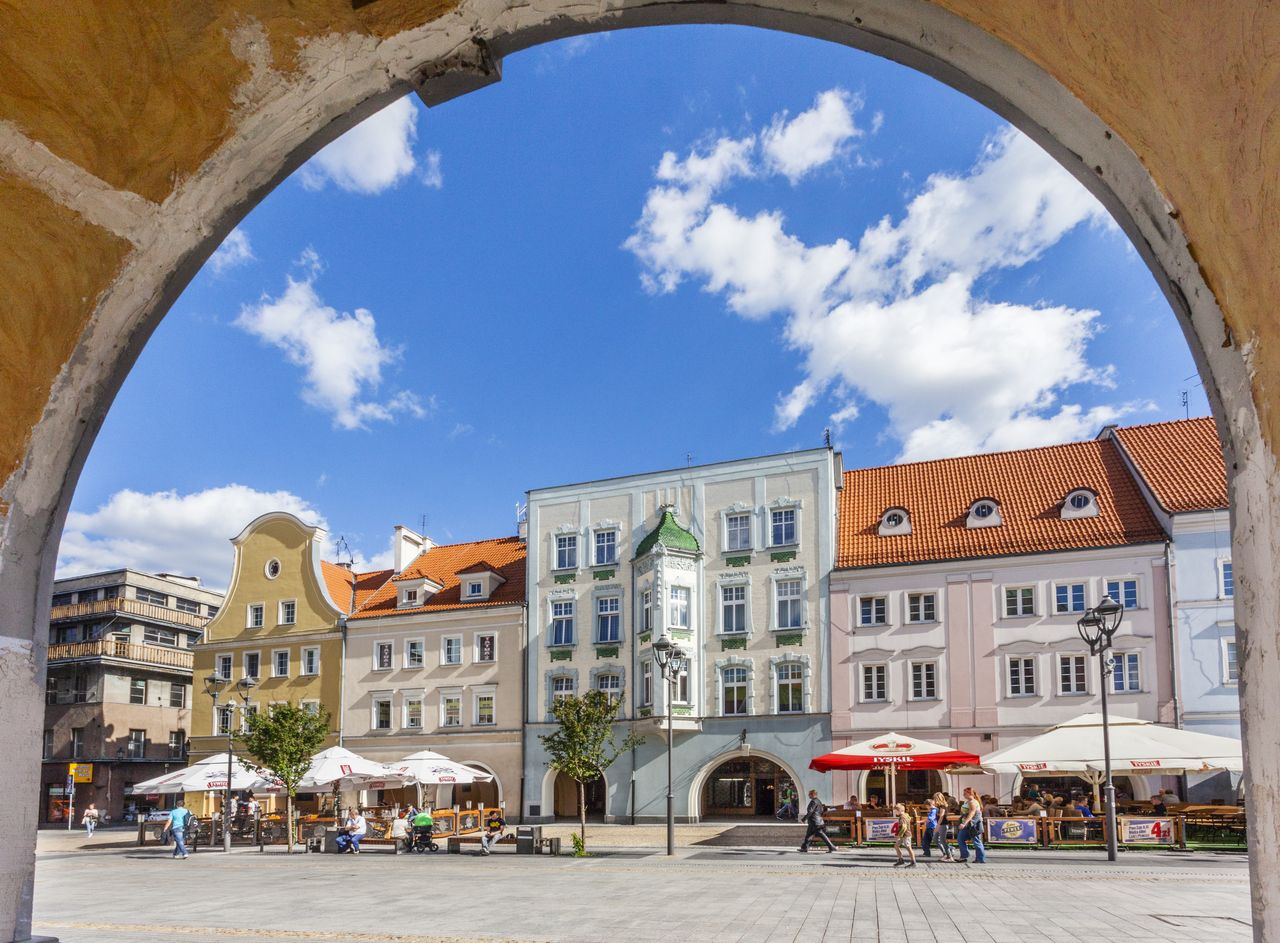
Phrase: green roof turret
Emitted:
{"points": [[670, 534]]}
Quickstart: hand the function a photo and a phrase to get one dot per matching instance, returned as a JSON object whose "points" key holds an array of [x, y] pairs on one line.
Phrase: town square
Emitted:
{"points": [[730, 471]]}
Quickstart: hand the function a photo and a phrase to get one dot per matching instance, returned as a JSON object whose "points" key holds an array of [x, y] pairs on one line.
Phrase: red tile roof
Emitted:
{"points": [[1029, 486], [505, 556], [340, 580], [1181, 462]]}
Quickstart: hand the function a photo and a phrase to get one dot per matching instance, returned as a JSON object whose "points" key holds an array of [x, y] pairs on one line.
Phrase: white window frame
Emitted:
{"points": [[444, 651], [674, 601], [645, 599], [1035, 676], [781, 508], [723, 688], [1069, 585], [736, 585], [596, 534], [244, 664], [774, 581], [1224, 564], [490, 691], [280, 619], [413, 697], [645, 686], [475, 588], [1123, 657], [446, 695], [382, 697], [573, 686], [302, 661], [422, 653], [862, 683], [615, 599], [261, 607], [922, 593], [911, 679], [873, 598], [1120, 581], [1021, 590], [568, 548], [736, 512], [476, 659], [614, 692], [224, 658], [570, 617], [275, 662], [224, 710], [310, 704], [1057, 664], [377, 655], [800, 666], [1223, 642]]}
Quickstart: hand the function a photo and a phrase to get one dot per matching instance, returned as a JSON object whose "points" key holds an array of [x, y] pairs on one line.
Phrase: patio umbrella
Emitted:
{"points": [[429, 768], [209, 775], [338, 766], [891, 752]]}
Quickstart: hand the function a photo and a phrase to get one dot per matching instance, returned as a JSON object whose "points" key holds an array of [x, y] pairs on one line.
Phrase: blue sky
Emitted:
{"points": [[517, 288]]}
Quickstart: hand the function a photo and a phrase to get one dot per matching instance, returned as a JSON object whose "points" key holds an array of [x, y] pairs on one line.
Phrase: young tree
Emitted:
{"points": [[283, 739], [583, 746]]}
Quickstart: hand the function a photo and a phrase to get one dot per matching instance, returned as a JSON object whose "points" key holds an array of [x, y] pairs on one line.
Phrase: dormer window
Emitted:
{"points": [[410, 597], [895, 521], [985, 512], [1083, 502], [414, 592], [475, 588], [477, 582]]}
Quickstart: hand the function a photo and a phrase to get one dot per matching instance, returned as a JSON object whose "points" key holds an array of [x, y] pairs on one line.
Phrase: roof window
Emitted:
{"points": [[1083, 502], [895, 521], [985, 512]]}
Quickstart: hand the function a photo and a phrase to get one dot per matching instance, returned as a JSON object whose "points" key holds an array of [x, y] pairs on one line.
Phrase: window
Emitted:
{"points": [[567, 552], [77, 742], [475, 588], [382, 713], [983, 513], [610, 684], [895, 522], [875, 682], [873, 610], [1125, 592], [1228, 582], [246, 712], [310, 661], [1080, 500], [451, 650], [608, 618], [177, 694], [733, 601], [782, 527], [646, 610], [280, 664], [562, 687], [382, 656], [111, 592], [410, 597], [223, 719], [154, 635], [680, 687], [484, 710], [288, 612], [790, 688], [176, 740], [63, 599], [311, 707], [146, 595], [1230, 665], [136, 745], [733, 685], [252, 665], [486, 648], [737, 531], [413, 712], [1071, 674], [1022, 677], [924, 680], [1019, 601], [224, 667], [272, 569], [256, 616], [1125, 678], [137, 691], [790, 597], [679, 613], [46, 747], [186, 605], [1068, 597], [606, 547], [646, 683], [413, 653], [922, 607], [213, 611], [562, 623]]}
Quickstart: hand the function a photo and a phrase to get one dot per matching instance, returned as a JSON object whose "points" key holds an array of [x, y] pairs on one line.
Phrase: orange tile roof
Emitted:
{"points": [[1029, 485], [505, 556], [340, 581], [1181, 462]]}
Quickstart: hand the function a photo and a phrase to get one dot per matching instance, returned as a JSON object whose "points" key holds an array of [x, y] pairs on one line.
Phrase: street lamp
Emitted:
{"points": [[214, 685], [671, 660], [1097, 627]]}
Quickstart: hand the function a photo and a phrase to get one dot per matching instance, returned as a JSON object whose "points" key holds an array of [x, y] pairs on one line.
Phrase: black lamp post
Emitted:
{"points": [[670, 658], [1097, 627], [214, 684]]}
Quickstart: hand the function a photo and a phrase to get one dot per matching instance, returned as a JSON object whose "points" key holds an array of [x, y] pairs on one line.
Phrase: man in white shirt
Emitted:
{"points": [[353, 829]]}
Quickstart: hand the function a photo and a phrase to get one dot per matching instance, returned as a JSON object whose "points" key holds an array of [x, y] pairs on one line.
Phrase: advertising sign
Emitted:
{"points": [[80, 772], [1013, 831], [1137, 831], [878, 829]]}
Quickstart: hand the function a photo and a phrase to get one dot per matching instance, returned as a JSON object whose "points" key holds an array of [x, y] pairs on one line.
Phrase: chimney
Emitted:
{"points": [[407, 546]]}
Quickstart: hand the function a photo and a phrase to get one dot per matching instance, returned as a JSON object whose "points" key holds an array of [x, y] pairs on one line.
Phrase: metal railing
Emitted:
{"points": [[128, 651], [85, 610]]}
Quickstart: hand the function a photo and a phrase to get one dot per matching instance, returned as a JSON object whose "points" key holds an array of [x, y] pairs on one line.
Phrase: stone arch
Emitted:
{"points": [[497, 780], [152, 236], [548, 793], [700, 778]]}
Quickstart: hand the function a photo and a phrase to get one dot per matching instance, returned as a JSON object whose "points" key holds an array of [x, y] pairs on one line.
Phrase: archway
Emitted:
{"points": [[565, 798], [154, 222], [747, 786], [480, 795]]}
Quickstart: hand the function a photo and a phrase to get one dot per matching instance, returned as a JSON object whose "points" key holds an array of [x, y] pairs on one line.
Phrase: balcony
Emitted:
{"points": [[111, 607], [155, 655]]}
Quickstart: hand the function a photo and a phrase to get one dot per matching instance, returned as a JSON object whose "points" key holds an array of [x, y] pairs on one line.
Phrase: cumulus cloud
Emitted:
{"points": [[340, 353], [372, 157], [234, 251], [894, 318]]}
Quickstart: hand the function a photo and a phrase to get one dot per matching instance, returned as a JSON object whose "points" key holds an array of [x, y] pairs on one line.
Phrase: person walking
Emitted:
{"points": [[902, 836], [179, 820], [939, 811], [971, 828], [817, 826], [90, 820]]}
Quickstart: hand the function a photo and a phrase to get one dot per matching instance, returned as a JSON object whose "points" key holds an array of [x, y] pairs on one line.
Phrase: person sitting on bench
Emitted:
{"points": [[351, 832], [494, 826]]}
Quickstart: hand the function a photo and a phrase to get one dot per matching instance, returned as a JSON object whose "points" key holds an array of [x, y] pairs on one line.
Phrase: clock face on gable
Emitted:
{"points": [[273, 569]]}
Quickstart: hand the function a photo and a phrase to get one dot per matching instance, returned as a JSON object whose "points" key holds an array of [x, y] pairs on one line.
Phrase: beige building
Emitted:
{"points": [[434, 663]]}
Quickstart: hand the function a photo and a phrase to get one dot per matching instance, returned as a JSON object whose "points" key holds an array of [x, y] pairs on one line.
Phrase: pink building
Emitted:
{"points": [[955, 597]]}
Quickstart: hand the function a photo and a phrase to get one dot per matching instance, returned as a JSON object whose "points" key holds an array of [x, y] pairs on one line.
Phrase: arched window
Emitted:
{"points": [[894, 522], [733, 691], [1083, 502], [985, 512]]}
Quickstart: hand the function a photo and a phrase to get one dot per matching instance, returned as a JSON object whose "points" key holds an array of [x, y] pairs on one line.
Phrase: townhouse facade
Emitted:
{"points": [[731, 561], [118, 689]]}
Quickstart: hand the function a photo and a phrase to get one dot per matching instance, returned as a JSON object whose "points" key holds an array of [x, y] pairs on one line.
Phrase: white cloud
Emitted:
{"points": [[372, 157], [234, 251], [168, 532], [340, 352], [431, 174], [894, 319]]}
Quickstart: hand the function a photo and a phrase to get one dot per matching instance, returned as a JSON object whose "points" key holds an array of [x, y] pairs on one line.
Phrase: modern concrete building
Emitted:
{"points": [[118, 692], [956, 594], [731, 560], [434, 662]]}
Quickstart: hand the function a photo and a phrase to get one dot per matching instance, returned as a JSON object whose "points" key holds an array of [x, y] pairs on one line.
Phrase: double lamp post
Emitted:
{"points": [[1097, 627], [671, 661], [214, 685]]}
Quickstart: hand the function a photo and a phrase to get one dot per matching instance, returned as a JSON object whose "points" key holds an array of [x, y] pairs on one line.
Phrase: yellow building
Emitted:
{"points": [[281, 625]]}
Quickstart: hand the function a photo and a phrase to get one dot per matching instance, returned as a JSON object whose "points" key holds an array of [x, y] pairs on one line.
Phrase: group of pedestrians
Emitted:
{"points": [[936, 832]]}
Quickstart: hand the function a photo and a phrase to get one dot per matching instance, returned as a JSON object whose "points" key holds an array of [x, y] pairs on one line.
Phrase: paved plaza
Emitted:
{"points": [[633, 895]]}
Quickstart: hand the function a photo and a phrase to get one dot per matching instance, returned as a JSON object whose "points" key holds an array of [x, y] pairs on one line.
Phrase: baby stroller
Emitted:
{"points": [[421, 840]]}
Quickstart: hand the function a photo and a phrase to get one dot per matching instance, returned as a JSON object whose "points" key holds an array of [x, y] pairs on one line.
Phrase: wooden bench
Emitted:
{"points": [[457, 841]]}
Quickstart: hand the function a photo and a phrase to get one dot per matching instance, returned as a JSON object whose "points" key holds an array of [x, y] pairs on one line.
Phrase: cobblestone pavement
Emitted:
{"points": [[633, 895]]}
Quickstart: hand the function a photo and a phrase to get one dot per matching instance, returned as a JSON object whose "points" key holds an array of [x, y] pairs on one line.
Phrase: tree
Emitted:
{"points": [[283, 739], [583, 746]]}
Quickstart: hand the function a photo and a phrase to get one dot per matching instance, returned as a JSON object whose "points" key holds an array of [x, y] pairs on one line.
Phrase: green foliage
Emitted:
{"points": [[579, 847], [283, 740]]}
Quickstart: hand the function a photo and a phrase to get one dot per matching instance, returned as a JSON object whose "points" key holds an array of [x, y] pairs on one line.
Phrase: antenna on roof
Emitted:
{"points": [[826, 437], [688, 458], [1186, 407], [341, 546], [422, 529]]}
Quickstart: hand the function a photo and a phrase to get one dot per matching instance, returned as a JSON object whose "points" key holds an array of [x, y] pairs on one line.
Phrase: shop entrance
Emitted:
{"points": [[566, 798], [747, 786]]}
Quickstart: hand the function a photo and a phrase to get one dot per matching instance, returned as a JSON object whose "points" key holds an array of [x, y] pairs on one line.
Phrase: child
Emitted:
{"points": [[903, 840]]}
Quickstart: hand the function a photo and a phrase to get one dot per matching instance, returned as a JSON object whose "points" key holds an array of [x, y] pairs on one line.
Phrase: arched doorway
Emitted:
{"points": [[746, 786], [479, 795], [565, 805]]}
